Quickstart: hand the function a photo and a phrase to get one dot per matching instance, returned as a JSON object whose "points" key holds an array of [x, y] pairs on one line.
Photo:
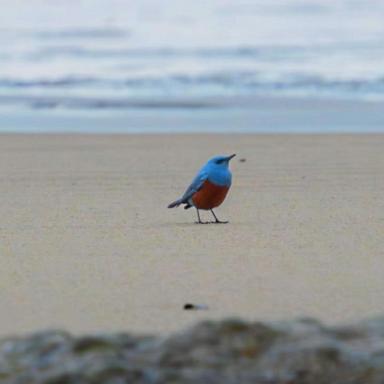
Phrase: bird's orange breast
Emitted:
{"points": [[209, 196]]}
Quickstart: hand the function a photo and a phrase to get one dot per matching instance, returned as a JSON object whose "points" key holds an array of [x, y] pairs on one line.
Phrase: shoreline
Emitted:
{"points": [[214, 115]]}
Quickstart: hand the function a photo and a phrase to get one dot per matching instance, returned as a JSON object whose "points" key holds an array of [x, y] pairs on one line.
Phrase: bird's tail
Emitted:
{"points": [[175, 203]]}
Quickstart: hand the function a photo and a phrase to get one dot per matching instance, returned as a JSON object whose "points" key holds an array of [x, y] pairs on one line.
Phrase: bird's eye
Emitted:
{"points": [[219, 161]]}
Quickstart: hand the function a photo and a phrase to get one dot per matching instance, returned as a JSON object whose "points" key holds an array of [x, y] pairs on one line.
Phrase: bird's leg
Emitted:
{"points": [[198, 218], [217, 221]]}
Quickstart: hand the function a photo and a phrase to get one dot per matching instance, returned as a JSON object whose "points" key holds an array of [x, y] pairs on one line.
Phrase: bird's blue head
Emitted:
{"points": [[220, 161], [217, 170]]}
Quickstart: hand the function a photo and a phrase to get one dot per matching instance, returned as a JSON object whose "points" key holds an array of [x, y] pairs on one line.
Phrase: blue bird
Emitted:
{"points": [[209, 188]]}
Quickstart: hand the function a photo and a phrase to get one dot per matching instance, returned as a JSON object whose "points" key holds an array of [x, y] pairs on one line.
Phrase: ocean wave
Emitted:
{"points": [[48, 83], [175, 92], [232, 81], [99, 103], [82, 33], [78, 51]]}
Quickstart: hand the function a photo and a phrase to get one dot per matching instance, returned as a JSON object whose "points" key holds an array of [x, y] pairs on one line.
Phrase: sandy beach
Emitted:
{"points": [[87, 243]]}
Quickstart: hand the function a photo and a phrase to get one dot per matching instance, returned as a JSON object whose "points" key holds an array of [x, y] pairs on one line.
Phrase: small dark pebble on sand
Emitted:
{"points": [[190, 307], [242, 160]]}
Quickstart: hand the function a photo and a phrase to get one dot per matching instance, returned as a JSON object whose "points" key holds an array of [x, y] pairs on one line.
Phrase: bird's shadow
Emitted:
{"points": [[193, 224], [182, 224]]}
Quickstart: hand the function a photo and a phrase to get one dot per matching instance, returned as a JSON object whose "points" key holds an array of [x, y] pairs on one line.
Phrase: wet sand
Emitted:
{"points": [[87, 244]]}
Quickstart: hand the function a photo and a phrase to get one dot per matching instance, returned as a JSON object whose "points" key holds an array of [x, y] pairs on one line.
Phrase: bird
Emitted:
{"points": [[209, 188]]}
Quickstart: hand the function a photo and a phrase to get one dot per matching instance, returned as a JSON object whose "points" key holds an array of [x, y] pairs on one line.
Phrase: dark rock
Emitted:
{"points": [[92, 344]]}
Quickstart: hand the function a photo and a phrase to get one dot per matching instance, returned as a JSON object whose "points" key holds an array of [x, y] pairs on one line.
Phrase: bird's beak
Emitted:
{"points": [[231, 157]]}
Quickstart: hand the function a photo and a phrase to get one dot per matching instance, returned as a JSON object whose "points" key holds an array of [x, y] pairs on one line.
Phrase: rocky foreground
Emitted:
{"points": [[230, 351]]}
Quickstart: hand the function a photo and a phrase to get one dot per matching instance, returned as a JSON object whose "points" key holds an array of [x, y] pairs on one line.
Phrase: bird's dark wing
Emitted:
{"points": [[195, 186]]}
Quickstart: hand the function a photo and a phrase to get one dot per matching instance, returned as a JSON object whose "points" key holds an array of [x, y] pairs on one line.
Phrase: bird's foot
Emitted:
{"points": [[212, 222], [217, 221]]}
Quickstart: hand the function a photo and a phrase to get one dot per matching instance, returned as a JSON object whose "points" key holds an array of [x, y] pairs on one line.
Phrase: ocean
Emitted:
{"points": [[206, 65]]}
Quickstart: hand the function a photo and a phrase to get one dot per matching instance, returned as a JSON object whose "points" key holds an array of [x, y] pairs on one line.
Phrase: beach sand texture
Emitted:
{"points": [[87, 243]]}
